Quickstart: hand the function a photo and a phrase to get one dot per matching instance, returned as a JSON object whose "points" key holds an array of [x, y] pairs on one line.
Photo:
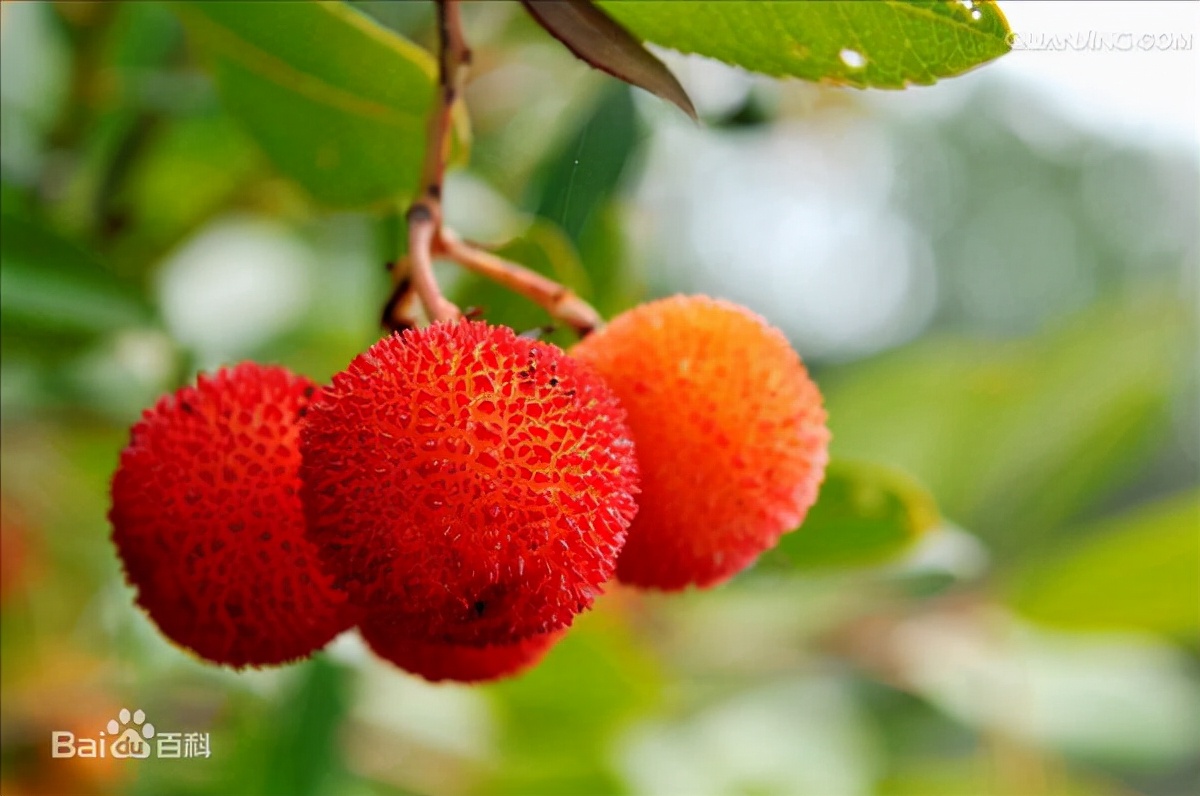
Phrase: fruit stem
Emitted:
{"points": [[428, 237], [422, 232], [424, 217], [558, 300]]}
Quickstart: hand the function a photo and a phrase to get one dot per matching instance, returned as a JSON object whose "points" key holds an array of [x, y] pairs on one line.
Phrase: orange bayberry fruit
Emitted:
{"points": [[730, 432], [468, 485], [437, 661], [207, 518]]}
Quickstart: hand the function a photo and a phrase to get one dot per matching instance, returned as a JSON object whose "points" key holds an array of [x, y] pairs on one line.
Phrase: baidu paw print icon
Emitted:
{"points": [[130, 737]]}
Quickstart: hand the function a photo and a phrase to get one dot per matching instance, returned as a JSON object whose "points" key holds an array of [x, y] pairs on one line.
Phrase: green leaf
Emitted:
{"points": [[53, 286], [289, 745], [1139, 571], [338, 103], [578, 185], [558, 721], [1016, 438], [881, 44], [189, 171], [865, 514], [574, 182]]}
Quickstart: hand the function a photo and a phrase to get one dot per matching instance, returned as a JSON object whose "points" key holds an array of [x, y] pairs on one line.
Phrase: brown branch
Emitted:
{"points": [[425, 216], [422, 232], [454, 58], [426, 235], [558, 300], [396, 311]]}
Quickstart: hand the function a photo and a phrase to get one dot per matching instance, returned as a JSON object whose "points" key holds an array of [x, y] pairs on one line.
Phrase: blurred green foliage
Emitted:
{"points": [[995, 594], [1132, 573], [865, 514], [338, 104]]}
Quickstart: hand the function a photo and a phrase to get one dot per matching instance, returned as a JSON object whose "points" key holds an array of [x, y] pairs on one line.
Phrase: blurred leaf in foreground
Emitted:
{"points": [[189, 171], [1016, 438], [1137, 571], [53, 290], [337, 102], [560, 718], [292, 748], [865, 514], [888, 44]]}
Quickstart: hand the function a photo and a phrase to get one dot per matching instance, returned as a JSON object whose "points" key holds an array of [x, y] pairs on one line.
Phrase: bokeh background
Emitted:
{"points": [[996, 294]]}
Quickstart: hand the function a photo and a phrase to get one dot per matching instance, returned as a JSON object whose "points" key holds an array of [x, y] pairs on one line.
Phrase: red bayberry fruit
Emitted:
{"points": [[437, 661], [730, 432], [207, 519], [468, 485], [18, 559]]}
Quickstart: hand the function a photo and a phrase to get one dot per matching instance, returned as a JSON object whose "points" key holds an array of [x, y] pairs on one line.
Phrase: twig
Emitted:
{"points": [[395, 311], [454, 58], [422, 232], [558, 300], [428, 237], [425, 216]]}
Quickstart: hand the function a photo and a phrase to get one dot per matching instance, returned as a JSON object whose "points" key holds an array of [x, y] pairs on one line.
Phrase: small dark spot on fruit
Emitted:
{"points": [[480, 606], [185, 406], [553, 381], [309, 391]]}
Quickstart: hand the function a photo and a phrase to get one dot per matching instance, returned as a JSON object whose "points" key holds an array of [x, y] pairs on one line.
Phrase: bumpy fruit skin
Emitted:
{"points": [[207, 519], [468, 485], [438, 661], [730, 432]]}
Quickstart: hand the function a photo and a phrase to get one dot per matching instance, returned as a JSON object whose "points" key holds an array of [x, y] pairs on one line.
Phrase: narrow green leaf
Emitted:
{"points": [[879, 44], [558, 721], [338, 103], [866, 513], [50, 284], [577, 180], [1140, 571]]}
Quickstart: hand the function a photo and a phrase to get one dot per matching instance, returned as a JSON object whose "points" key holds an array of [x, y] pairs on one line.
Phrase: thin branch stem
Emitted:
{"points": [[454, 58], [558, 300], [425, 216], [428, 237], [422, 232]]}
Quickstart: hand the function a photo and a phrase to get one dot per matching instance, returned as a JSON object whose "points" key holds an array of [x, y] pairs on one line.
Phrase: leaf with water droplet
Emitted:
{"points": [[881, 44]]}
